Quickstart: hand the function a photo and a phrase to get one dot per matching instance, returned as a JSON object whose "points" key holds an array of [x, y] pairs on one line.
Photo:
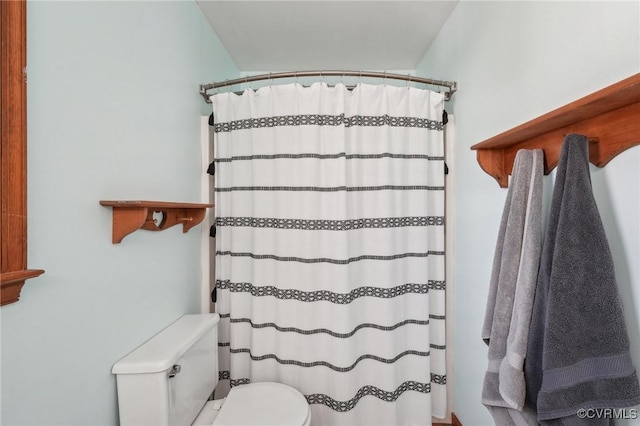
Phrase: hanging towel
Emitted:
{"points": [[578, 352], [511, 292]]}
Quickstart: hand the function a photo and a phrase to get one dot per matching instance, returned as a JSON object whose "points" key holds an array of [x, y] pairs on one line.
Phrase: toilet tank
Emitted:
{"points": [[168, 379]]}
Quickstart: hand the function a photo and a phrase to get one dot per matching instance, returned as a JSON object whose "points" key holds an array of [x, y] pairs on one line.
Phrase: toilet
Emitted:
{"points": [[167, 381]]}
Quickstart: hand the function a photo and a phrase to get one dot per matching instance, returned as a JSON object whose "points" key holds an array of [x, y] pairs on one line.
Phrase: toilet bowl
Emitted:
{"points": [[263, 403], [168, 380]]}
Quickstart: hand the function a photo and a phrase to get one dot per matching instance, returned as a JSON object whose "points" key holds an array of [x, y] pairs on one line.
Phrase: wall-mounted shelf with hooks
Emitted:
{"points": [[129, 216], [610, 118]]}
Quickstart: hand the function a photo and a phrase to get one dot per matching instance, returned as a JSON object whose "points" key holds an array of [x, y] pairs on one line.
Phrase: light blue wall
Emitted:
{"points": [[113, 113], [515, 61]]}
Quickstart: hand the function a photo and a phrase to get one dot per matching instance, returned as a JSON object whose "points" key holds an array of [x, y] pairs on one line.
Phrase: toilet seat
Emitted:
{"points": [[264, 403]]}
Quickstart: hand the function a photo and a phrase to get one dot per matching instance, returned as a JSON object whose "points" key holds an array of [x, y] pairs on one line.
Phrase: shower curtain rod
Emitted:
{"points": [[451, 85]]}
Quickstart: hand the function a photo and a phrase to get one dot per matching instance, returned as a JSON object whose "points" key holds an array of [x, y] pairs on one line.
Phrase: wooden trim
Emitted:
{"points": [[13, 151], [454, 422], [608, 117], [12, 283]]}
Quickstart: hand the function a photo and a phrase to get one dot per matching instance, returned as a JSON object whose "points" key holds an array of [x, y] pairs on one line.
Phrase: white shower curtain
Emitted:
{"points": [[330, 248]]}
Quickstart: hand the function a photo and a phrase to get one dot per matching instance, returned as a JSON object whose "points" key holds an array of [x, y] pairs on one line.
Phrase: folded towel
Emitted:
{"points": [[578, 352], [511, 292]]}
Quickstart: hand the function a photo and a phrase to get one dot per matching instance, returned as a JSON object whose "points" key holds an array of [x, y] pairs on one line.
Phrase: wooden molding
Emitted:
{"points": [[13, 151], [608, 117], [454, 422], [129, 216], [12, 283]]}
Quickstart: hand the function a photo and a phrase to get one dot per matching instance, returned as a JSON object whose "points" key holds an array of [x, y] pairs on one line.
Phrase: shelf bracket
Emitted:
{"points": [[129, 216]]}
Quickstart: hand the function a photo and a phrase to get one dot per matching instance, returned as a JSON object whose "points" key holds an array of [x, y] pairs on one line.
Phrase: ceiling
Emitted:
{"points": [[322, 35]]}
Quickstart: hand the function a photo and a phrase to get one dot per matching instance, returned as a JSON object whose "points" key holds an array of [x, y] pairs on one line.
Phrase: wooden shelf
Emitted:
{"points": [[610, 118], [129, 216], [13, 152]]}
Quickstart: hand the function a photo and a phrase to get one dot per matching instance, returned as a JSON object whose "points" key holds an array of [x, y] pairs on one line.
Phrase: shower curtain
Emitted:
{"points": [[330, 248]]}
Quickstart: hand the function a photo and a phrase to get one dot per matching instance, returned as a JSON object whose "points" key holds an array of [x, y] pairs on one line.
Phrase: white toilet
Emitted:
{"points": [[167, 381]]}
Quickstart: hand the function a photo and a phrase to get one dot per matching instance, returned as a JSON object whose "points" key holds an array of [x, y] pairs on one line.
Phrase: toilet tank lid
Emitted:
{"points": [[161, 351]]}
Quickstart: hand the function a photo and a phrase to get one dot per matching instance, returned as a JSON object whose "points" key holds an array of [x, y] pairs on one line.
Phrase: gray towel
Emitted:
{"points": [[511, 292], [578, 351]]}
